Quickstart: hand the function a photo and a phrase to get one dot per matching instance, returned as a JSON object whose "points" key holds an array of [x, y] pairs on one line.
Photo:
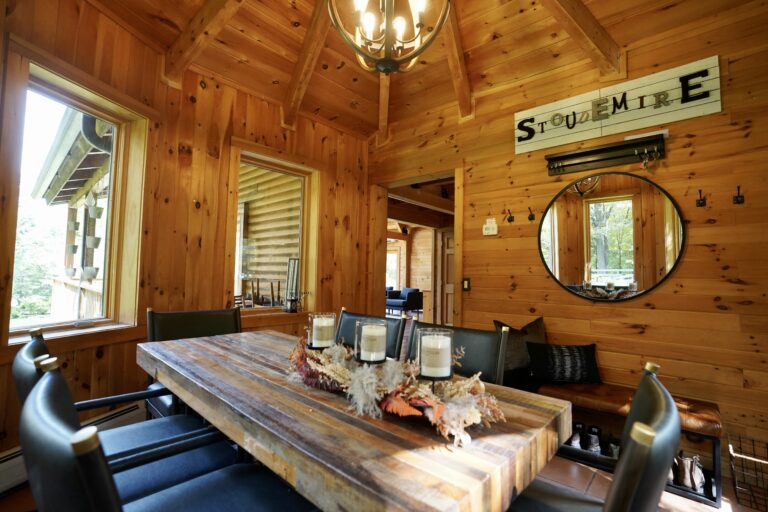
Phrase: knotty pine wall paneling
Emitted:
{"points": [[190, 193], [707, 325]]}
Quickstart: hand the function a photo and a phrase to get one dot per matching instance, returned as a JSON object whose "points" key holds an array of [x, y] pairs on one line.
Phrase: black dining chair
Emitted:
{"points": [[137, 439], [175, 325], [648, 445], [484, 351], [345, 329], [24, 370], [69, 472]]}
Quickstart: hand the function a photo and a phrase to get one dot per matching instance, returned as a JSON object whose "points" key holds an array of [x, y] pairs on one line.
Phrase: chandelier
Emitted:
{"points": [[388, 39]]}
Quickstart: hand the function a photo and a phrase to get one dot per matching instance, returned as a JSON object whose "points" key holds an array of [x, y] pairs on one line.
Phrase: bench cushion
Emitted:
{"points": [[695, 415]]}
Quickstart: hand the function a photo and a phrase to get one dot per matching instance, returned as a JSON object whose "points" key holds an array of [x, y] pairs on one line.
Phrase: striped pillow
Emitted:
{"points": [[564, 363]]}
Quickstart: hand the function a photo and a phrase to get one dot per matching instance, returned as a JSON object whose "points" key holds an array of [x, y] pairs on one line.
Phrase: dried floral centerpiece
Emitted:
{"points": [[394, 387]]}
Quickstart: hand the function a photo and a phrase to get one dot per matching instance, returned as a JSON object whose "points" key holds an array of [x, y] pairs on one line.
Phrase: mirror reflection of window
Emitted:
{"points": [[611, 242], [549, 241]]}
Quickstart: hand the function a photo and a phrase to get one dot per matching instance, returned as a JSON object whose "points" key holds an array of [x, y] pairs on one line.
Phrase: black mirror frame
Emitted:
{"points": [[683, 238]]}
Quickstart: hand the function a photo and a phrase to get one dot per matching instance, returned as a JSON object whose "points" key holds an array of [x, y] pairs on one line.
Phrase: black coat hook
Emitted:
{"points": [[531, 215], [738, 198], [701, 202], [510, 217]]}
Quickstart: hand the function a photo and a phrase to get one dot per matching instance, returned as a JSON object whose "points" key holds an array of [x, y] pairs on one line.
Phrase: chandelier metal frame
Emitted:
{"points": [[386, 53]]}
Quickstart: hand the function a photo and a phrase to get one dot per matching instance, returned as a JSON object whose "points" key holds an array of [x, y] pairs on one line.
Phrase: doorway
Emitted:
{"points": [[420, 219]]}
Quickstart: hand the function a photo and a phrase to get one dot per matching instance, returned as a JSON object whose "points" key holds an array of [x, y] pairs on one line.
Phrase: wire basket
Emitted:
{"points": [[749, 468]]}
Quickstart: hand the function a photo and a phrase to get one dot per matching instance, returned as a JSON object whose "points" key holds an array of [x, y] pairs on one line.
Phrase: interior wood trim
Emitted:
{"points": [[73, 74], [104, 8], [458, 246], [279, 157], [204, 27], [423, 199], [383, 134], [587, 32], [457, 65], [305, 65]]}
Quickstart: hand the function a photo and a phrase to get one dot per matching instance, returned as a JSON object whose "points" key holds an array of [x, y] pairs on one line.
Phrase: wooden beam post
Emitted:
{"points": [[302, 72], [455, 53], [207, 23], [383, 134], [589, 34], [420, 198]]}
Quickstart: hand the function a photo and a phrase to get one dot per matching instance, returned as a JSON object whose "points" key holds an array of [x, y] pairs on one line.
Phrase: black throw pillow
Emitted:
{"points": [[564, 363], [516, 355]]}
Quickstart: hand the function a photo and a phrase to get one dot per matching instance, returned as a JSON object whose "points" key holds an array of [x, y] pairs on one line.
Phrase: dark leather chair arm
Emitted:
{"points": [[119, 399], [118, 463], [393, 294], [414, 300]]}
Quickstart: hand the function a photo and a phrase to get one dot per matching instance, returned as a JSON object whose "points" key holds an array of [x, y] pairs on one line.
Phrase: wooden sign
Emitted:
{"points": [[683, 92]]}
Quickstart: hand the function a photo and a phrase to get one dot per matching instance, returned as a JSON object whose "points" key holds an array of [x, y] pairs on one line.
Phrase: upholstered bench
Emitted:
{"points": [[698, 419]]}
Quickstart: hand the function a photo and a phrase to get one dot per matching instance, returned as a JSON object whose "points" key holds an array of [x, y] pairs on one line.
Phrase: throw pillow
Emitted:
{"points": [[516, 355], [564, 363]]}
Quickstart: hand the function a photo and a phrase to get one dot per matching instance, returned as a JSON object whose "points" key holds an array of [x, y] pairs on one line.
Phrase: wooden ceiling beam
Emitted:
{"points": [[416, 216], [383, 134], [302, 72], [207, 23], [424, 199], [457, 65], [587, 32]]}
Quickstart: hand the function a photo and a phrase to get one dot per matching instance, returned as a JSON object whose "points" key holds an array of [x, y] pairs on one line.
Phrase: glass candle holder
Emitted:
{"points": [[587, 285], [321, 332], [371, 341], [633, 286], [609, 286], [435, 350]]}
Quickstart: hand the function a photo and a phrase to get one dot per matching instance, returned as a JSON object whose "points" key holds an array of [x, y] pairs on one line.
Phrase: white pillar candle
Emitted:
{"points": [[587, 285], [633, 286], [609, 285], [435, 355], [322, 332], [373, 342]]}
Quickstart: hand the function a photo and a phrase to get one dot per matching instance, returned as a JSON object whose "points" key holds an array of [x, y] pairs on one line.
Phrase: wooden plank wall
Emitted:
{"points": [[189, 213], [708, 324]]}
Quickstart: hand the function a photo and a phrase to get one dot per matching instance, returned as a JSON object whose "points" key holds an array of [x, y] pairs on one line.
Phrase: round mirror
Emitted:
{"points": [[611, 236]]}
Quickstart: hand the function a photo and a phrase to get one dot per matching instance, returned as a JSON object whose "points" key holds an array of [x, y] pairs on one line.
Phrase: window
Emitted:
{"points": [[269, 229], [548, 239], [63, 215], [393, 269], [611, 241], [73, 200]]}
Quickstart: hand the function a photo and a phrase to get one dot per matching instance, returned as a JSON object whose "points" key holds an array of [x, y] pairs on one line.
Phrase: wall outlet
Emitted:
{"points": [[490, 227]]}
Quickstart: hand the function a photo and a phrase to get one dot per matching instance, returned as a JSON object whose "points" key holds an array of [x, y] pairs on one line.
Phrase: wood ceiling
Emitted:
{"points": [[286, 51]]}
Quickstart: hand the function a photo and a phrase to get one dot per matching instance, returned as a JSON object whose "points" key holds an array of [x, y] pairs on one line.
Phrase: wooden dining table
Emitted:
{"points": [[242, 384]]}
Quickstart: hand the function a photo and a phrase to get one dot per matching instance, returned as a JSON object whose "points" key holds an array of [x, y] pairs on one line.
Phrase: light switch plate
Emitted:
{"points": [[465, 284]]}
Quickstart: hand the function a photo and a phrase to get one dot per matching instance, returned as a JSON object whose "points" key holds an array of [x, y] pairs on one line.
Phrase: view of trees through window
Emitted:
{"points": [[393, 269], [611, 242], [548, 238], [59, 260]]}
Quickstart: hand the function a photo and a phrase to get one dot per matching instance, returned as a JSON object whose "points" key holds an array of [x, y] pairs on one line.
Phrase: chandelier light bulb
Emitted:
{"points": [[361, 5], [419, 5], [399, 25], [369, 21]]}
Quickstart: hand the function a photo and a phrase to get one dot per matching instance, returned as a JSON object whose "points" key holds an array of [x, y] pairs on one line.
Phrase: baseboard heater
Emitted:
{"points": [[12, 471]]}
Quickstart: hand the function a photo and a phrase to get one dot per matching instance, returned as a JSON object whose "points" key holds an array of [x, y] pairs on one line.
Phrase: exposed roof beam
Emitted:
{"points": [[416, 216], [455, 53], [310, 52], [383, 134], [423, 199], [588, 33], [207, 23]]}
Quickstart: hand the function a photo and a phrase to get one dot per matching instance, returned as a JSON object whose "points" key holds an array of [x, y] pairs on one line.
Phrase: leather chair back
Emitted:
{"points": [[174, 325], [48, 423], [638, 487], [395, 330], [25, 373], [484, 351]]}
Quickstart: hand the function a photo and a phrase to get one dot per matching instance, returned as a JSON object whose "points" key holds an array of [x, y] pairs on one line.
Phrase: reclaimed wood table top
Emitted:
{"points": [[340, 461]]}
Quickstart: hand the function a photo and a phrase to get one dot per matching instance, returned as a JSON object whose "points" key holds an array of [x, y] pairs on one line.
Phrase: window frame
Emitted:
{"points": [[256, 154], [47, 75]]}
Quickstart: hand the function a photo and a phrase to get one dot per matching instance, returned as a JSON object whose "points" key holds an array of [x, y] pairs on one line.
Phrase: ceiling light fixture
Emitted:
{"points": [[382, 38]]}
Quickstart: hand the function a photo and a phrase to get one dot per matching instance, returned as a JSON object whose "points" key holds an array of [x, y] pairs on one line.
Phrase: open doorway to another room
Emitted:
{"points": [[419, 248]]}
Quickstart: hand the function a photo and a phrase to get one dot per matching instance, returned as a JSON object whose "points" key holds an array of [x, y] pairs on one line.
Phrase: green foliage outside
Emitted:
{"points": [[611, 240], [37, 249]]}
